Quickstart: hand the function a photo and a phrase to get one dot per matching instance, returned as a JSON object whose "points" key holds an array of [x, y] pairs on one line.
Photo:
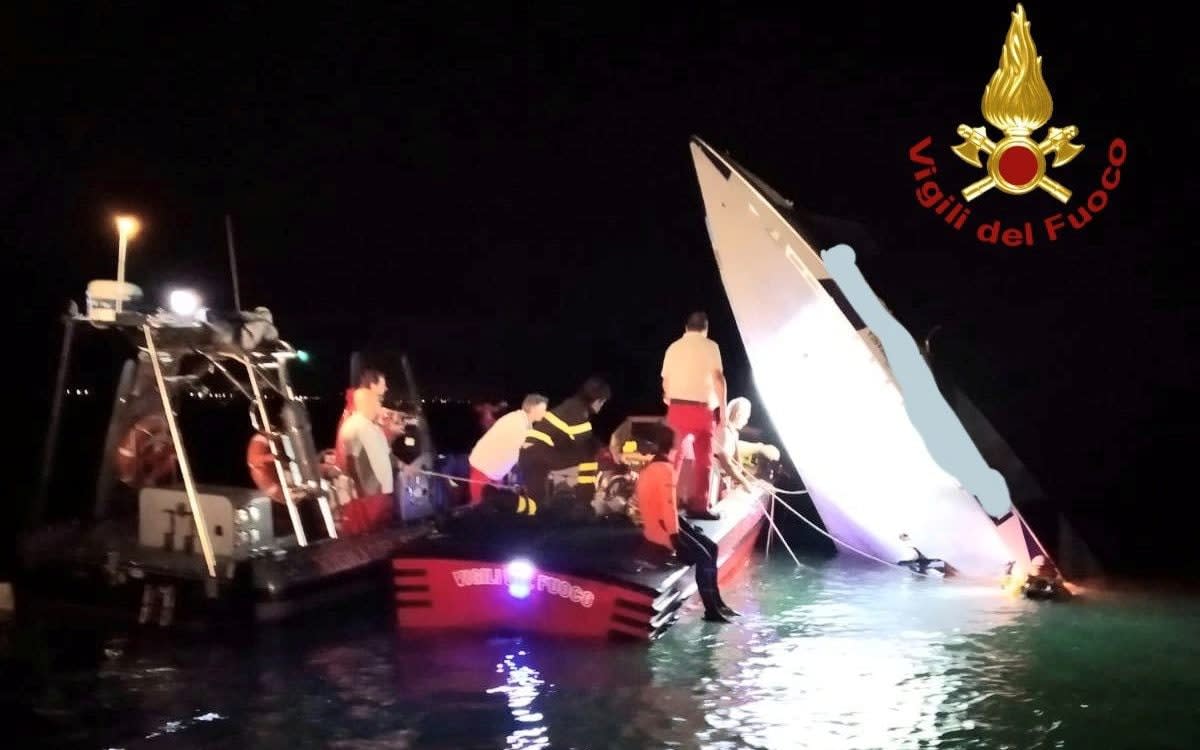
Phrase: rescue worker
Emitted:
{"points": [[665, 527], [495, 454], [367, 459], [561, 448], [729, 450], [917, 562], [1044, 581], [693, 383], [371, 383]]}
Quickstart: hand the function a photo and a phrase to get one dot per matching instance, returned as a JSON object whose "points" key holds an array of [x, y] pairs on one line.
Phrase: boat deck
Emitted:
{"points": [[105, 567]]}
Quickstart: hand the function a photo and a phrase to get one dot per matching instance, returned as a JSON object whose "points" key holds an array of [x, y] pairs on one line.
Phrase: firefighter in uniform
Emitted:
{"points": [[561, 449]]}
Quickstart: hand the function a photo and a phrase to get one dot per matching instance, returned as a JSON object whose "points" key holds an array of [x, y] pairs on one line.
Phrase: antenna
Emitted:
{"points": [[237, 298]]}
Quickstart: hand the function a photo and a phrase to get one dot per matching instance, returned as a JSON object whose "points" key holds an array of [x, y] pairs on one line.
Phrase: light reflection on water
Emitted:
{"points": [[522, 683], [828, 656]]}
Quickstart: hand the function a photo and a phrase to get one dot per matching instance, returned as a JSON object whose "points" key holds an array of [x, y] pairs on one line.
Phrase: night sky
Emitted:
{"points": [[512, 200]]}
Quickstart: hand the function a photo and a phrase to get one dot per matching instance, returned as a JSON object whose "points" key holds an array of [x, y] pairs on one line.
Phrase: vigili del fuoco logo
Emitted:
{"points": [[1016, 102]]}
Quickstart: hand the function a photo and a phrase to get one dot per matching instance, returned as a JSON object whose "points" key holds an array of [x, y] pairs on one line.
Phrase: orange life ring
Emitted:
{"points": [[261, 463], [146, 455]]}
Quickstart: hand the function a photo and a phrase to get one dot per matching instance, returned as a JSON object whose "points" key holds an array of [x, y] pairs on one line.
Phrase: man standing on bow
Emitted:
{"points": [[693, 381]]}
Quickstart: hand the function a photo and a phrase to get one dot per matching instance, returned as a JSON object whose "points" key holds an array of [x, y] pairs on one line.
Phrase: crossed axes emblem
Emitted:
{"points": [[1058, 142]]}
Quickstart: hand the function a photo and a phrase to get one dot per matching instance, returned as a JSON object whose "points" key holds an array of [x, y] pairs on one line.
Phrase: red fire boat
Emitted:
{"points": [[493, 572]]}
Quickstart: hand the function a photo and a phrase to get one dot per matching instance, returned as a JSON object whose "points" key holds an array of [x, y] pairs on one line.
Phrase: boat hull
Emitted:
{"points": [[830, 391], [104, 572], [584, 582]]}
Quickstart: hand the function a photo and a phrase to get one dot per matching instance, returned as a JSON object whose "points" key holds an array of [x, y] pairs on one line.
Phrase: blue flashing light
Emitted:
{"points": [[519, 574]]}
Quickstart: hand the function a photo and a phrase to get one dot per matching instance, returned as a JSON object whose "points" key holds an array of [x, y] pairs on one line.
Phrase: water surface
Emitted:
{"points": [[828, 655]]}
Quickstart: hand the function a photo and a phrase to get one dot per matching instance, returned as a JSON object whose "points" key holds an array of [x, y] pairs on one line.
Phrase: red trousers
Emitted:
{"points": [[697, 420], [477, 478], [363, 515]]}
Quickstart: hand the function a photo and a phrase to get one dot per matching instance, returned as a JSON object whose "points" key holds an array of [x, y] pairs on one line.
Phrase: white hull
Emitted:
{"points": [[829, 390]]}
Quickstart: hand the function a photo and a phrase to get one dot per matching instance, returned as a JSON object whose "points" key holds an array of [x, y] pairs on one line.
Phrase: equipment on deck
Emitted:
{"points": [[237, 520], [102, 297]]}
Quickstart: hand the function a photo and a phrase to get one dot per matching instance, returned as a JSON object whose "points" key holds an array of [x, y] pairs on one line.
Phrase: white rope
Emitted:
{"points": [[770, 515], [453, 479], [771, 520], [774, 493], [789, 492], [848, 546]]}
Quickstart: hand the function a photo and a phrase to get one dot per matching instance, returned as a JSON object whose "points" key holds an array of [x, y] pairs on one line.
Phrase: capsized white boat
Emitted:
{"points": [[879, 458]]}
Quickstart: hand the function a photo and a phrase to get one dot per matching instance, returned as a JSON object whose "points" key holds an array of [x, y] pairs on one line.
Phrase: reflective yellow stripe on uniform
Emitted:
{"points": [[541, 436], [587, 472], [570, 430], [526, 505]]}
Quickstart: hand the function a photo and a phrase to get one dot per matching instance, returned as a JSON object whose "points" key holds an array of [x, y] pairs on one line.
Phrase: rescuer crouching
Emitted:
{"points": [[732, 455], [663, 526], [557, 465]]}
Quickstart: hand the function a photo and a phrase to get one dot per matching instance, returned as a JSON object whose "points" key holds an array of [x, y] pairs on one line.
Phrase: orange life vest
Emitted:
{"points": [[657, 503], [146, 454], [261, 463]]}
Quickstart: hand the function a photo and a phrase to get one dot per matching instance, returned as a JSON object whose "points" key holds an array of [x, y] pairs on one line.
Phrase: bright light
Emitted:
{"points": [[127, 226], [519, 575], [302, 355], [184, 302]]}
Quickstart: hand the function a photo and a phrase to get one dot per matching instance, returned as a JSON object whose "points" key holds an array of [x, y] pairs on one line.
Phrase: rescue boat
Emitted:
{"points": [[154, 540], [487, 570]]}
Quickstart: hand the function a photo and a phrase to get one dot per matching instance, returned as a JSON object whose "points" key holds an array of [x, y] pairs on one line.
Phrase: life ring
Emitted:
{"points": [[261, 463], [146, 455]]}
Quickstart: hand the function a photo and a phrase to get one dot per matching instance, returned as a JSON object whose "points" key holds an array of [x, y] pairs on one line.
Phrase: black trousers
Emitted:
{"points": [[694, 548]]}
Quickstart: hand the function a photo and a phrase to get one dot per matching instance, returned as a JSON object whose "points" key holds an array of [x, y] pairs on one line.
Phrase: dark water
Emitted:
{"points": [[831, 655]]}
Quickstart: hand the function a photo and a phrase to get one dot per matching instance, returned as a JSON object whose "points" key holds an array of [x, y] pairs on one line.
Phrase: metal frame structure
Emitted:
{"points": [[266, 371]]}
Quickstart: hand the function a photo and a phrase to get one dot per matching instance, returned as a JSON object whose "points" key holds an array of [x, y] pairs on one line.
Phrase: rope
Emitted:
{"points": [[468, 480], [774, 493], [867, 555], [847, 545], [770, 516], [771, 520], [778, 491]]}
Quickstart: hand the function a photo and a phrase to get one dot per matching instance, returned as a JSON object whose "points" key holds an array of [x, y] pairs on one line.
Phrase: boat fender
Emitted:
{"points": [[261, 463], [146, 454]]}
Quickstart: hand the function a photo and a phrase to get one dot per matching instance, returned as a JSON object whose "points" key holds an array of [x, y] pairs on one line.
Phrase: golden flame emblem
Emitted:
{"points": [[1017, 102]]}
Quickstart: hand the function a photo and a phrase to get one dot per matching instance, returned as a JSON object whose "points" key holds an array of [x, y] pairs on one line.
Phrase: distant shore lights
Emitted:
{"points": [[127, 228]]}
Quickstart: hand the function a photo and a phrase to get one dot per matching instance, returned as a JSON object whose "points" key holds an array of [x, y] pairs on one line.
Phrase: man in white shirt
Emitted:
{"points": [[730, 450], [496, 453], [693, 381], [367, 456]]}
